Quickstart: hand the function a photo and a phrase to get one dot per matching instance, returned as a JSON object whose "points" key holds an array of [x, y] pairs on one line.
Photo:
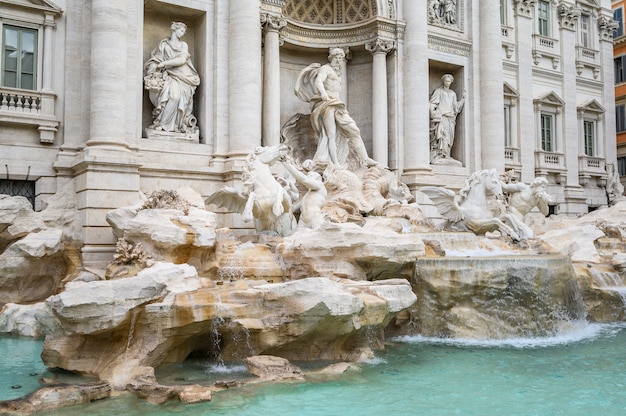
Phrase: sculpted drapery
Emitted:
{"points": [[171, 80]]}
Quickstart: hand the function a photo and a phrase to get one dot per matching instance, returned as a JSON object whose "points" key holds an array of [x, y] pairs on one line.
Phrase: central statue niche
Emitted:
{"points": [[338, 137]]}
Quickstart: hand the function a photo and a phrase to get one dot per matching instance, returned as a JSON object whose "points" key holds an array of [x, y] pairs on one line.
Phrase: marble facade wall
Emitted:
{"points": [[248, 63]]}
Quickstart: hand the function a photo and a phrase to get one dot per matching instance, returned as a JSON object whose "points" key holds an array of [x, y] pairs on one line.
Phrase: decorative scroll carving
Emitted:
{"points": [[272, 22], [392, 9], [525, 7], [568, 16], [379, 46], [606, 26]]}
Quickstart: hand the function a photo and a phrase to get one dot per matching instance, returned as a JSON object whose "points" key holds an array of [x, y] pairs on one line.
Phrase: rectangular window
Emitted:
{"points": [[18, 188], [621, 165], [547, 133], [589, 131], [618, 16], [584, 31], [503, 12], [620, 118], [507, 126], [543, 18], [618, 64], [19, 57]]}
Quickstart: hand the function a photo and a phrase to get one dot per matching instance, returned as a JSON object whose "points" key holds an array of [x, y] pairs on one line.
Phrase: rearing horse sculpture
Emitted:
{"points": [[261, 197], [470, 209]]}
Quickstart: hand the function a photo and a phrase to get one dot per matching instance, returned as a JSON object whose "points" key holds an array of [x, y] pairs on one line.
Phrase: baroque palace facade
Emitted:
{"points": [[536, 77]]}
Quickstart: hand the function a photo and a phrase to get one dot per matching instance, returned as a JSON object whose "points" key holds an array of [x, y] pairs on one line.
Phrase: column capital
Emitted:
{"points": [[380, 46], [568, 16], [525, 7], [607, 25], [272, 23]]}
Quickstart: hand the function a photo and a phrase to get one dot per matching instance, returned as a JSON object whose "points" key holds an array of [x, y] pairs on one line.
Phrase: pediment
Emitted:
{"points": [[509, 91], [34, 5], [550, 98], [592, 106], [588, 3]]}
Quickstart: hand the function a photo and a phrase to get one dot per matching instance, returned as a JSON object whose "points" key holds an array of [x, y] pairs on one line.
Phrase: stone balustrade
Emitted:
{"points": [[593, 166], [26, 107]]}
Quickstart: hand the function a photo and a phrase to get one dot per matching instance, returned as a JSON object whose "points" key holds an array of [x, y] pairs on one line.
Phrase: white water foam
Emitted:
{"points": [[221, 368], [577, 331]]}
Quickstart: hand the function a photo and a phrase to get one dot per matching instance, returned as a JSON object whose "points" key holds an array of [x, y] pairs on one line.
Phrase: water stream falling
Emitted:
{"points": [[131, 330]]}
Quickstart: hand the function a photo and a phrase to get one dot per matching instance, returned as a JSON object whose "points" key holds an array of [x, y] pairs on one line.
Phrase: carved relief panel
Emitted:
{"points": [[446, 13]]}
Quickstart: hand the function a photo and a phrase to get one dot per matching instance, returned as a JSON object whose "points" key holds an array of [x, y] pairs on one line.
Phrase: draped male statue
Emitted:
{"points": [[339, 138]]}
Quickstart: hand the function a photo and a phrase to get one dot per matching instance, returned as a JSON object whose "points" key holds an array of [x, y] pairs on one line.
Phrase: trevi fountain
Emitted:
{"points": [[342, 297]]}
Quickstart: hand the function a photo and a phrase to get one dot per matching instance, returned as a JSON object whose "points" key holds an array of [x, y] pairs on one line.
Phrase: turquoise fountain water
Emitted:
{"points": [[578, 373]]}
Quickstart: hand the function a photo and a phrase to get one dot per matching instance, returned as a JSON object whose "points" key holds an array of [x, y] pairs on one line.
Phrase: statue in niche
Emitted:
{"points": [[338, 137], [614, 187], [171, 80], [522, 198], [444, 109]]}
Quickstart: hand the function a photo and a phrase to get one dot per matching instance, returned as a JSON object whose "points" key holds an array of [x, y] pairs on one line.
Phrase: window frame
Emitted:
{"points": [[621, 165], [619, 31], [585, 33], [620, 118], [591, 119], [548, 144], [619, 67], [19, 72], [544, 20], [589, 137]]}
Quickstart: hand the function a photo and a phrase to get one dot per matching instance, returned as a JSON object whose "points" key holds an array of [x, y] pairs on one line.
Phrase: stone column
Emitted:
{"points": [[47, 55], [491, 93], [244, 77], [106, 171], [108, 66], [575, 198], [606, 26], [416, 119], [527, 141], [380, 112], [271, 79]]}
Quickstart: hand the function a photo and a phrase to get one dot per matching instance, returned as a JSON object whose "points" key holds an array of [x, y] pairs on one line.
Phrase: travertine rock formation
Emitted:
{"points": [[383, 248], [119, 330], [37, 249]]}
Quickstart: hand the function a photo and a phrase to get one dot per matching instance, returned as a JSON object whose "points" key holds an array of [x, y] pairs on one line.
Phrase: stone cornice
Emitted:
{"points": [[272, 6], [44, 6], [444, 44], [353, 34]]}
